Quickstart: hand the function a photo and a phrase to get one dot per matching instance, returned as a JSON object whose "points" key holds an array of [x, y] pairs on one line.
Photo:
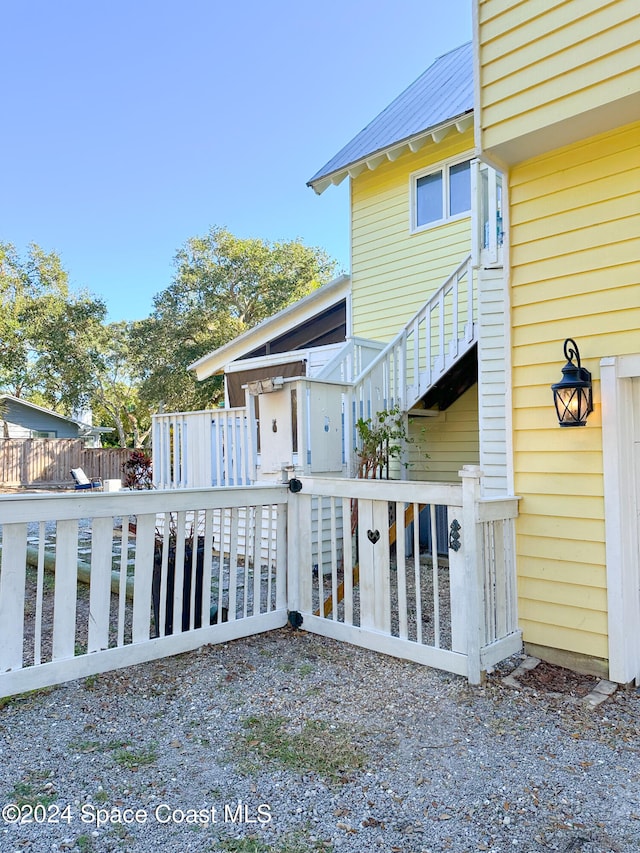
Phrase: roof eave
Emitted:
{"points": [[392, 152], [214, 362]]}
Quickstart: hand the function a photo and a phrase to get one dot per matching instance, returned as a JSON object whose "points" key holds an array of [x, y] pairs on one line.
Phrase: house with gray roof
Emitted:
{"points": [[21, 419]]}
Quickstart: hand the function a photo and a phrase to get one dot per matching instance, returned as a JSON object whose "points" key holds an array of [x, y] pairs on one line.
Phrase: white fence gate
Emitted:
{"points": [[458, 613], [93, 582]]}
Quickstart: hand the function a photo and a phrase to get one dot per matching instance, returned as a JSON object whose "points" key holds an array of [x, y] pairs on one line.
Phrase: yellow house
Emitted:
{"points": [[495, 213], [558, 112], [415, 183]]}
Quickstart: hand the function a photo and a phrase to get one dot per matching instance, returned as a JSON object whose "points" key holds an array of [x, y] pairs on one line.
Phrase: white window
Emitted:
{"points": [[440, 194]]}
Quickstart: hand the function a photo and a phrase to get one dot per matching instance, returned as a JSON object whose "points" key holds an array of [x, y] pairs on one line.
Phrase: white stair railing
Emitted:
{"points": [[433, 340], [351, 360]]}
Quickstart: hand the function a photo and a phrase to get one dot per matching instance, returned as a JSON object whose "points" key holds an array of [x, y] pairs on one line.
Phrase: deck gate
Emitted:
{"points": [[102, 581]]}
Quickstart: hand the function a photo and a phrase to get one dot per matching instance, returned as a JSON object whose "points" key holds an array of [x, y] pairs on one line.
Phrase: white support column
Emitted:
{"points": [[622, 507]]}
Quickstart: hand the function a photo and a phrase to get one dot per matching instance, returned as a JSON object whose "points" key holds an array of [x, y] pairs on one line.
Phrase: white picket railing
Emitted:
{"points": [[200, 449], [94, 582], [150, 592], [454, 608]]}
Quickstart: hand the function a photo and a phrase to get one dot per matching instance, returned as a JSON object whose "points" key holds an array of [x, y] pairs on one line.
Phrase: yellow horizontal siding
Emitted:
{"points": [[572, 638], [559, 28], [575, 264], [543, 64], [451, 439], [578, 574], [531, 289], [535, 462], [393, 271], [570, 69], [581, 172], [595, 600]]}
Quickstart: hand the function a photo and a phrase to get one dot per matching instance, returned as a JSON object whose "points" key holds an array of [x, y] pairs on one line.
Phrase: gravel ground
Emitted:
{"points": [[291, 742]]}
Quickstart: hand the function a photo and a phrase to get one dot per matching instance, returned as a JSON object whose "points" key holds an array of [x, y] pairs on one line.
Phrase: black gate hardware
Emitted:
{"points": [[454, 535]]}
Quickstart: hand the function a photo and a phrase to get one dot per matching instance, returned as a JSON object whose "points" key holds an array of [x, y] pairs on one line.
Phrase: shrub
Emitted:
{"points": [[137, 471]]}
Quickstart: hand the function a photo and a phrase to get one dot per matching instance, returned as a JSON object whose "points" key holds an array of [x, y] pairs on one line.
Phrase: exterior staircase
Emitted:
{"points": [[435, 341], [431, 343]]}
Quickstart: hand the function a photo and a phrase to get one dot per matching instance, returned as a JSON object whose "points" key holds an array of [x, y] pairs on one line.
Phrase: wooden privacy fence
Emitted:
{"points": [[48, 461]]}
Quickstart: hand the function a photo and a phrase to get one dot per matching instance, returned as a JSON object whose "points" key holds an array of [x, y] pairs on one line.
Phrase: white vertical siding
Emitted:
{"points": [[492, 382]]}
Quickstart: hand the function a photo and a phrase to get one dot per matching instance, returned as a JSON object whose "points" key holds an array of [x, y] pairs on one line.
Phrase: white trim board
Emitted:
{"points": [[620, 389]]}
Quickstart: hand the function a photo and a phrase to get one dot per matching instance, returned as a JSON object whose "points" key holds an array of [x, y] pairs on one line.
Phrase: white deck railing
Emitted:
{"points": [[199, 449]]}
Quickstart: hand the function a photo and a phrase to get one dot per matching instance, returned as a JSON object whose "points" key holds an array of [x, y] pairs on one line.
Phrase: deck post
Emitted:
{"points": [[474, 574], [299, 549]]}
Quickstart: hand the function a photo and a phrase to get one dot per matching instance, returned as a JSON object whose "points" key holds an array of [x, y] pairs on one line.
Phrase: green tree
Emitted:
{"points": [[48, 335], [115, 395], [223, 285]]}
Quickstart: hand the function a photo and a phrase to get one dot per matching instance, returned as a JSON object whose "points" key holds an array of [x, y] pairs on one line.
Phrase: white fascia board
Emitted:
{"points": [[266, 361], [376, 158], [293, 315]]}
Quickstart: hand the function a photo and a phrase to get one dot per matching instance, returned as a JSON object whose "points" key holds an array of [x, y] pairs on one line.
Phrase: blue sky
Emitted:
{"points": [[129, 127]]}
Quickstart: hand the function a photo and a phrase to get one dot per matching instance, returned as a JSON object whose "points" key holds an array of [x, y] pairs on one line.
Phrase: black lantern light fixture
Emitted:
{"points": [[573, 395]]}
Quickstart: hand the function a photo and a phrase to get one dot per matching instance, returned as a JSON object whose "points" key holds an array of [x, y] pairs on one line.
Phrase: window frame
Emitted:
{"points": [[444, 168]]}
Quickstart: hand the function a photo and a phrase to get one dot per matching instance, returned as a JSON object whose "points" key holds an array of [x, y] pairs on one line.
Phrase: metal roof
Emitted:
{"points": [[442, 96]]}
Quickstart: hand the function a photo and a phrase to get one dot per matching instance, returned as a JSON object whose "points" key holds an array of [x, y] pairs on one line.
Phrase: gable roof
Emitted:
{"points": [[438, 99], [83, 429], [302, 311]]}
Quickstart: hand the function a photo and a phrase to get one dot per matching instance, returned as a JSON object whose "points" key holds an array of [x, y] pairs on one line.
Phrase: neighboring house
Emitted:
{"points": [[20, 419], [495, 212]]}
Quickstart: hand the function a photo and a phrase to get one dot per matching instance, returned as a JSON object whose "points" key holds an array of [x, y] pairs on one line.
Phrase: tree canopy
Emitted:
{"points": [[57, 350], [47, 334], [223, 285]]}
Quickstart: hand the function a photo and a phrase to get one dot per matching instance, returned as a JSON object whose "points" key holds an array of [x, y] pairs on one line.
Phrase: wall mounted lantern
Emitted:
{"points": [[573, 395]]}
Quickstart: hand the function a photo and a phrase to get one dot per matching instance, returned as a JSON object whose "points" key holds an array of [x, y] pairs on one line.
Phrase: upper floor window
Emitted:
{"points": [[441, 194]]}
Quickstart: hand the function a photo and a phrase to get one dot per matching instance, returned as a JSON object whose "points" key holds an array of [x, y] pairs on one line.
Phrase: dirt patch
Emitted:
{"points": [[547, 677]]}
